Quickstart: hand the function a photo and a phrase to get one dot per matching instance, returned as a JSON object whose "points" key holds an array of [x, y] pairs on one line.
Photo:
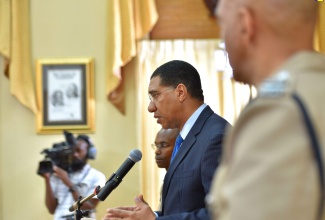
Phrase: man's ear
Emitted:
{"points": [[247, 25], [181, 92]]}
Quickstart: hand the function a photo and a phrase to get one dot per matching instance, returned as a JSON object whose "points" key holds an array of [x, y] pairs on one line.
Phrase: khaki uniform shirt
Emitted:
{"points": [[268, 170]]}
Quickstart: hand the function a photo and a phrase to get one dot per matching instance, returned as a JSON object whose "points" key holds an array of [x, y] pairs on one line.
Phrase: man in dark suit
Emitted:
{"points": [[177, 101]]}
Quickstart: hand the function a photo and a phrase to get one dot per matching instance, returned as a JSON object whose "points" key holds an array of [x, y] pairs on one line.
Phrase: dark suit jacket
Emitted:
{"points": [[189, 176]]}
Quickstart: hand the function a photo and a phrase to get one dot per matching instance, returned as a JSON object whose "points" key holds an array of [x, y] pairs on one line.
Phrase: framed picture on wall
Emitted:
{"points": [[65, 95]]}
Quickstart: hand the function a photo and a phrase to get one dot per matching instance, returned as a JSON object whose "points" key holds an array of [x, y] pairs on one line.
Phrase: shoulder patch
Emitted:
{"points": [[275, 86]]}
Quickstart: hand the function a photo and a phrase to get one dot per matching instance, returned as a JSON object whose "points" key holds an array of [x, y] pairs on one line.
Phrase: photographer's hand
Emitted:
{"points": [[50, 200], [45, 175], [63, 175]]}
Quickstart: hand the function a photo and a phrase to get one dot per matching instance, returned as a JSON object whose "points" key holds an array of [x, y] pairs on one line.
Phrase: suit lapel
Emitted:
{"points": [[185, 148]]}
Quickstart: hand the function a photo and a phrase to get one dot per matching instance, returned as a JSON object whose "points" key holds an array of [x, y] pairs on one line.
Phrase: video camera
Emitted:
{"points": [[60, 155]]}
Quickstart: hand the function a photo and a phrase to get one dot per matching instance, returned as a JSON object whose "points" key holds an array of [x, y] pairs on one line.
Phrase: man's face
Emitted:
{"points": [[163, 103], [164, 142], [228, 18], [79, 155]]}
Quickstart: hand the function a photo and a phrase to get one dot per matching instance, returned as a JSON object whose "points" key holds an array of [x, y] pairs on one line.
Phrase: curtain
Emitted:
{"points": [[15, 47], [221, 93], [127, 21], [320, 29]]}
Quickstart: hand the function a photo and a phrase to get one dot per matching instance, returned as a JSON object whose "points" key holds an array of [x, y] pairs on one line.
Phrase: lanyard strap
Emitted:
{"points": [[78, 184], [316, 149]]}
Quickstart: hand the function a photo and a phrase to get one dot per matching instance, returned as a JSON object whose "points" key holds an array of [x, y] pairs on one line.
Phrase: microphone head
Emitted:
{"points": [[135, 155]]}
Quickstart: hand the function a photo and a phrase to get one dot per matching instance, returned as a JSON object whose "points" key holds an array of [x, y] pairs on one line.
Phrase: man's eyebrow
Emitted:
{"points": [[152, 91]]}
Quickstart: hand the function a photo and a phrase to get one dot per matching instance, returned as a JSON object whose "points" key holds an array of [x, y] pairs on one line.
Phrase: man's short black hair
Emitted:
{"points": [[85, 138], [175, 72]]}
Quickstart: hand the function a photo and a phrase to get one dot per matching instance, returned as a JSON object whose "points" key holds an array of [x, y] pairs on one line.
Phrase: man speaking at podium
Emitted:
{"points": [[177, 101]]}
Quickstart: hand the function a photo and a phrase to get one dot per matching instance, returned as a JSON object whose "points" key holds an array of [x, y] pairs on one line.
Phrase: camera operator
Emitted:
{"points": [[64, 188]]}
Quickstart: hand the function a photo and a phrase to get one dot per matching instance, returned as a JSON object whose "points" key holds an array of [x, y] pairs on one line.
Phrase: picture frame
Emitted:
{"points": [[65, 95]]}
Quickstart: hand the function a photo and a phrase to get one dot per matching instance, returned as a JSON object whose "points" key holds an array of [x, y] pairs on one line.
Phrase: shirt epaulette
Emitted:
{"points": [[275, 86]]}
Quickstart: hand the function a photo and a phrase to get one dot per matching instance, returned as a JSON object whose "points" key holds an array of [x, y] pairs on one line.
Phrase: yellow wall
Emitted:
{"points": [[61, 28]]}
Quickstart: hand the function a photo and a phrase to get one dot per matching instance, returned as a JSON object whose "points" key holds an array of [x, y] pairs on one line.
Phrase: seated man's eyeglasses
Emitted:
{"points": [[160, 145]]}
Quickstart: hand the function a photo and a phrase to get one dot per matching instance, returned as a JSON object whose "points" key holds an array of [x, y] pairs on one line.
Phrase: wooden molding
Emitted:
{"points": [[184, 19]]}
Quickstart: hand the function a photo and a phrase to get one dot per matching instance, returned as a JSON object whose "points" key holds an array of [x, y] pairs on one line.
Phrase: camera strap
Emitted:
{"points": [[78, 184], [316, 149], [84, 176]]}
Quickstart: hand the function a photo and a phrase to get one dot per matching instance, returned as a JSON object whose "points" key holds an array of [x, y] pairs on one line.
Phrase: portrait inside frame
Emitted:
{"points": [[65, 95]]}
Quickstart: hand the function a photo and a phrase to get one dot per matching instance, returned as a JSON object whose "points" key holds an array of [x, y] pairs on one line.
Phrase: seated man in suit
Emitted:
{"points": [[163, 146], [177, 101]]}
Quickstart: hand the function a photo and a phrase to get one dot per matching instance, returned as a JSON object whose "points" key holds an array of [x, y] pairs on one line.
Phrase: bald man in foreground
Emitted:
{"points": [[272, 166]]}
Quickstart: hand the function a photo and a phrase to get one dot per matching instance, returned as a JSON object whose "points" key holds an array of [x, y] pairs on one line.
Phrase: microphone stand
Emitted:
{"points": [[78, 212]]}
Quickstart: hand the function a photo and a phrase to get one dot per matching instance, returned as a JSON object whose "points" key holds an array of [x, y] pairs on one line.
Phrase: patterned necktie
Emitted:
{"points": [[178, 142]]}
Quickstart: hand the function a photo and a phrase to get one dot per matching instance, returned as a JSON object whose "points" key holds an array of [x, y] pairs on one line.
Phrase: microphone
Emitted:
{"points": [[117, 177]]}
